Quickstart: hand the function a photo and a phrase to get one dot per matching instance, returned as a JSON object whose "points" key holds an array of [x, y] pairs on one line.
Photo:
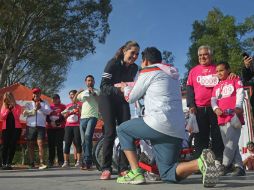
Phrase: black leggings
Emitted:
{"points": [[72, 134], [10, 138], [114, 112], [55, 144]]}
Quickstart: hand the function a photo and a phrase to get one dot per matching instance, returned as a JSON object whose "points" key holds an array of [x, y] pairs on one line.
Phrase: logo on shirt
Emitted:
{"points": [[208, 80]]}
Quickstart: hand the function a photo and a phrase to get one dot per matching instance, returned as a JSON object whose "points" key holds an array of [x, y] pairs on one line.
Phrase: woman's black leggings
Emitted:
{"points": [[10, 138], [114, 112], [72, 134]]}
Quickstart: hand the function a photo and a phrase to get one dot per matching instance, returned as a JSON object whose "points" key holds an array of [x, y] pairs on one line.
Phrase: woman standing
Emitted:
{"points": [[10, 113], [112, 105]]}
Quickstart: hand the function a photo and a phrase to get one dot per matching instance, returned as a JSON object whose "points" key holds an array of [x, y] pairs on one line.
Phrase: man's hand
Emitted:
{"points": [[247, 61], [91, 91], [193, 110], [232, 76], [218, 111], [37, 105]]}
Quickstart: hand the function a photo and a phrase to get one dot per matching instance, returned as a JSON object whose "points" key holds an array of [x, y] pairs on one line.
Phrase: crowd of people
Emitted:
{"points": [[214, 94]]}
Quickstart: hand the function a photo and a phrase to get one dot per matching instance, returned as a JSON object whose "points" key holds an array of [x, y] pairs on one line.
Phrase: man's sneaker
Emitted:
{"points": [[206, 164], [105, 175], [238, 171], [42, 166], [132, 178], [123, 173], [66, 165], [152, 176]]}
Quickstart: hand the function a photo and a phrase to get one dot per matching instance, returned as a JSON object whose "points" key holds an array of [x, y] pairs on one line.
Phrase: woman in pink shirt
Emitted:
{"points": [[10, 113]]}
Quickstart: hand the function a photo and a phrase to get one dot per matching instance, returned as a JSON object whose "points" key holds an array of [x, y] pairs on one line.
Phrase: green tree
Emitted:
{"points": [[40, 38], [227, 39]]}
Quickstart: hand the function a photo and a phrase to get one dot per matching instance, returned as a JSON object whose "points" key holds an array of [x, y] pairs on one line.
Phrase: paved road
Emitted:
{"points": [[75, 179]]}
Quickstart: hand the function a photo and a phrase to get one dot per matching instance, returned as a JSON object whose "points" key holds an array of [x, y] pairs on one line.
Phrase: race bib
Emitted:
{"points": [[208, 80], [227, 90], [72, 119]]}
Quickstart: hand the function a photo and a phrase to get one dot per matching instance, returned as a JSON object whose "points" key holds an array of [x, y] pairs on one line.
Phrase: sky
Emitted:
{"points": [[165, 24]]}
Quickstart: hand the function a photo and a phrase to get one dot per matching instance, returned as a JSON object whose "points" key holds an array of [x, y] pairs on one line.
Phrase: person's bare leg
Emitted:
{"points": [[78, 157], [66, 157], [75, 153], [132, 158], [41, 150], [184, 169]]}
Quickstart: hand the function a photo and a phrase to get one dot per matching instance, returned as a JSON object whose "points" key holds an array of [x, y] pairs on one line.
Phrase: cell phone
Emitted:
{"points": [[245, 55]]}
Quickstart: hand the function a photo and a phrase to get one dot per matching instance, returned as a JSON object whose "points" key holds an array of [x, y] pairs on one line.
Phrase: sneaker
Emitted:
{"points": [[9, 167], [123, 173], [66, 165], [152, 176], [6, 167], [224, 170], [86, 167], [42, 166], [132, 178], [238, 172], [106, 175], [77, 165], [206, 164]]}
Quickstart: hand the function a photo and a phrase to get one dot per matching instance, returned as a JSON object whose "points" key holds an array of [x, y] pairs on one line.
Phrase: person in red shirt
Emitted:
{"points": [[72, 132], [55, 131]]}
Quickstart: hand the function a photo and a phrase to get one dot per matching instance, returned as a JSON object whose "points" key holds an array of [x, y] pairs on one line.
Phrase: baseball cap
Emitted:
{"points": [[36, 90]]}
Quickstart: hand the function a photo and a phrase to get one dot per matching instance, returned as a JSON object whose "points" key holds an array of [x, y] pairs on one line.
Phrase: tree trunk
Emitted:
{"points": [[3, 71]]}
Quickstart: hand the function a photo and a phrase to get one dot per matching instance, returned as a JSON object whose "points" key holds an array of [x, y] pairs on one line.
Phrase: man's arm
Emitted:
{"points": [[247, 73], [75, 98]]}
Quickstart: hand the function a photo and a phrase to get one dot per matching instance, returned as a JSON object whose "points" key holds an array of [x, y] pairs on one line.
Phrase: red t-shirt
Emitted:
{"points": [[55, 115]]}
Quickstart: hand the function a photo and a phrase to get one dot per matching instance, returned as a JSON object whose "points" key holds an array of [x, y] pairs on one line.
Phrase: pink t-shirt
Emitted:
{"points": [[203, 78], [225, 92]]}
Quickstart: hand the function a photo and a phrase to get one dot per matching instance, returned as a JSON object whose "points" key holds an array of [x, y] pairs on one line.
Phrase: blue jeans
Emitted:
{"points": [[165, 148], [87, 126]]}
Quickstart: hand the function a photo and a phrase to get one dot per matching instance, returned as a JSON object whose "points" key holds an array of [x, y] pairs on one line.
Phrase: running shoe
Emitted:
{"points": [[207, 166]]}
